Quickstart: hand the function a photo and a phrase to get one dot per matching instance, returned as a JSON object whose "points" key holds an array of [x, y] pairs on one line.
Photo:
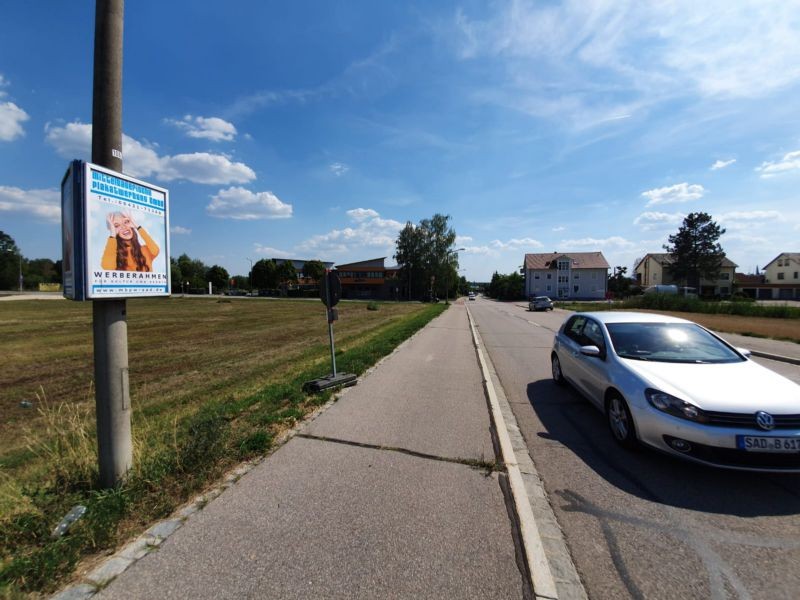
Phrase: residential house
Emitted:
{"points": [[370, 280], [653, 269], [780, 280], [566, 275]]}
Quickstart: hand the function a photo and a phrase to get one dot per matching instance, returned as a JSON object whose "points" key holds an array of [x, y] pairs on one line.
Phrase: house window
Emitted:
{"points": [[795, 274], [563, 279], [576, 288], [563, 265], [723, 291], [725, 276], [536, 276], [780, 275], [549, 288], [577, 276], [549, 275], [655, 276]]}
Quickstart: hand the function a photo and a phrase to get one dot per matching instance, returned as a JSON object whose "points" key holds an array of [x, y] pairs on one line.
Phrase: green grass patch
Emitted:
{"points": [[182, 442]]}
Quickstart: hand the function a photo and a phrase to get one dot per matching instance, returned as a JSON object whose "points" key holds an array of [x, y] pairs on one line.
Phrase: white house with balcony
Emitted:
{"points": [[566, 275]]}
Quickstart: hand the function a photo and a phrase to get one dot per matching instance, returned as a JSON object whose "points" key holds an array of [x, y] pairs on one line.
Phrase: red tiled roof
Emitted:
{"points": [[580, 260]]}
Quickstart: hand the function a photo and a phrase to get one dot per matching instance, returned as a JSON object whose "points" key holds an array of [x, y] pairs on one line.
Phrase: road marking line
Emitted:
{"points": [[542, 580]]}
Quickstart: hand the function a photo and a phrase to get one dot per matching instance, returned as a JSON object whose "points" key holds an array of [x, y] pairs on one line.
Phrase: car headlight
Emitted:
{"points": [[674, 406]]}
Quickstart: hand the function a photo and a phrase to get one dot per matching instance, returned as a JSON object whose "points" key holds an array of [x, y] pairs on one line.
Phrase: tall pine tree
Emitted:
{"points": [[695, 250]]}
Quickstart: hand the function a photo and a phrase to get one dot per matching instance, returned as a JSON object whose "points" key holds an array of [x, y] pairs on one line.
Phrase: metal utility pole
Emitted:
{"points": [[112, 395]]}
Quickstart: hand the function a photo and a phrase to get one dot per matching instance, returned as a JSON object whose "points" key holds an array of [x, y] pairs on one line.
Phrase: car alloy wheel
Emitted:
{"points": [[558, 376], [620, 421]]}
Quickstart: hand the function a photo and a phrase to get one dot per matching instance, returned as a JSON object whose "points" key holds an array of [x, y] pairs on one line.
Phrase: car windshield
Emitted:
{"points": [[669, 342]]}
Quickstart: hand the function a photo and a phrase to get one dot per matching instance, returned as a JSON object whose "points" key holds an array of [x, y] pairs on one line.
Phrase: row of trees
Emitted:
{"points": [[33, 270], [427, 258]]}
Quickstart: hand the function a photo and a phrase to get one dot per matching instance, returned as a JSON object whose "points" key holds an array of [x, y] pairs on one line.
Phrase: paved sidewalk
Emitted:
{"points": [[774, 349], [379, 497]]}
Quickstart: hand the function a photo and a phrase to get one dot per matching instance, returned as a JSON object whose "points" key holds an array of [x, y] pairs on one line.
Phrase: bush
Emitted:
{"points": [[372, 306]]}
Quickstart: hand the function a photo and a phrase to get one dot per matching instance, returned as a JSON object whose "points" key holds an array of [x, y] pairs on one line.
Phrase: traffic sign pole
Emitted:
{"points": [[330, 320]]}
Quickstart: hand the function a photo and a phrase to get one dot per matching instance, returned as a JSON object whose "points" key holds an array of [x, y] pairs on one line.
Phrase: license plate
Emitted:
{"points": [[753, 443]]}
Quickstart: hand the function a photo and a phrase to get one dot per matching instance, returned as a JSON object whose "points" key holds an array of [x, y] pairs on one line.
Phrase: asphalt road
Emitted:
{"points": [[641, 524]]}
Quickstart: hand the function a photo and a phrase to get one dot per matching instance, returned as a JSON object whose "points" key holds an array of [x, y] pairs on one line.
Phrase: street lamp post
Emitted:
{"points": [[447, 288]]}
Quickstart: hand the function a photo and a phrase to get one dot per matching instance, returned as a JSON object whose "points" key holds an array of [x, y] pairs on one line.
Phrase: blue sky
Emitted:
{"points": [[317, 129]]}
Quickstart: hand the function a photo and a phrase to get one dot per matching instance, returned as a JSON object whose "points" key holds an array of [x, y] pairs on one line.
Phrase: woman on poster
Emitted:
{"points": [[123, 250]]}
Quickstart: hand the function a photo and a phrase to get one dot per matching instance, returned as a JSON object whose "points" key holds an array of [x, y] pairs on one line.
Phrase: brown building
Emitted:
{"points": [[369, 280], [653, 269]]}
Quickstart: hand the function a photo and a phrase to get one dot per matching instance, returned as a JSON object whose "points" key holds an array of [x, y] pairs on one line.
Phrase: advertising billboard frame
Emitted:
{"points": [[115, 235]]}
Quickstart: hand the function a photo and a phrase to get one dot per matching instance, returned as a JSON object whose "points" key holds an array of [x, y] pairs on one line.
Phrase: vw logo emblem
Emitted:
{"points": [[765, 421]]}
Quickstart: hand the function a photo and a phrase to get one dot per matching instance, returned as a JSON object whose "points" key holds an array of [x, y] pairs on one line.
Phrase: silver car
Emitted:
{"points": [[540, 303], [673, 385]]}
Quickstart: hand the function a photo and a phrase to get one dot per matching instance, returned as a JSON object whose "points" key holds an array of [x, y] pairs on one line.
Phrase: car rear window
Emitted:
{"points": [[669, 342]]}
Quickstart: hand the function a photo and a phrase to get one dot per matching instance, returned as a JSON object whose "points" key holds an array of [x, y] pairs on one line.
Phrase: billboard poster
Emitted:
{"points": [[127, 236], [115, 235]]}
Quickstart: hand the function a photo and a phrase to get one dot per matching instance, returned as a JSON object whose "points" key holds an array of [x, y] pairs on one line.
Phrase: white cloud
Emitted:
{"points": [[45, 204], [751, 215], [656, 220], [641, 54], [516, 244], [463, 239], [202, 167], [11, 119], [241, 204], [721, 164], [610, 242], [74, 140], [338, 169], [789, 162], [270, 252], [359, 215], [681, 192], [209, 128], [370, 232], [11, 116], [481, 250], [178, 230], [559, 228]]}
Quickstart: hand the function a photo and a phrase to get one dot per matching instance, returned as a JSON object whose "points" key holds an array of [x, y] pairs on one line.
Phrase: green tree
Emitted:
{"points": [[315, 269], [193, 270], [9, 262], [287, 273], [409, 257], [265, 275], [619, 283], [239, 282], [218, 277], [425, 256], [175, 276], [695, 250]]}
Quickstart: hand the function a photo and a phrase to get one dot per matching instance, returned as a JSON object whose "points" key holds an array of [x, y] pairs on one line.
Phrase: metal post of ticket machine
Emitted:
{"points": [[330, 294]]}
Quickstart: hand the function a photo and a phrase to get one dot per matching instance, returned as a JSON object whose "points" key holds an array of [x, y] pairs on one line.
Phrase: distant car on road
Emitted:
{"points": [[540, 303], [673, 385], [472, 295]]}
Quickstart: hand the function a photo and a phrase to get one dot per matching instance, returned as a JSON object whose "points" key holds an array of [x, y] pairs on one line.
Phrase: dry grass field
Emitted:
{"points": [[181, 350], [779, 329]]}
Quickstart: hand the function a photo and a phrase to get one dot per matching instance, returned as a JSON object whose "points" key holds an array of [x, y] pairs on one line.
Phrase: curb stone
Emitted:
{"points": [[553, 573]]}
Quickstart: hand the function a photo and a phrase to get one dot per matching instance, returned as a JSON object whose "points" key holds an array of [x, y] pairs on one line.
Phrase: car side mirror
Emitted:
{"points": [[591, 351], [744, 352]]}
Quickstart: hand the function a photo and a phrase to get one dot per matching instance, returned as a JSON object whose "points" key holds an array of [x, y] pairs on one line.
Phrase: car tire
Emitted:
{"points": [[558, 374], [620, 422]]}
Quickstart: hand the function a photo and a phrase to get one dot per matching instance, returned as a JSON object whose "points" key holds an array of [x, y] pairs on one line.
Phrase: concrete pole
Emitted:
{"points": [[112, 395]]}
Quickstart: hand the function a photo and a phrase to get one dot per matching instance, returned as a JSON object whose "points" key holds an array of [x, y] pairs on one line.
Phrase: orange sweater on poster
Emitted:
{"points": [[149, 251]]}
